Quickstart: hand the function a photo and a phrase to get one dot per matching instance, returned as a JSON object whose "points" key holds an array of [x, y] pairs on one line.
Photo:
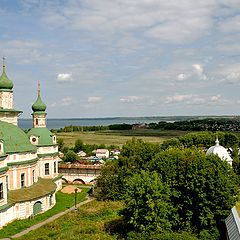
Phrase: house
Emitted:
{"points": [[29, 176], [102, 153], [81, 154]]}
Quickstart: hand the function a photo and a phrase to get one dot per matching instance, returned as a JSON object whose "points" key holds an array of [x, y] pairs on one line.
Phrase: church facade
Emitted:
{"points": [[29, 175]]}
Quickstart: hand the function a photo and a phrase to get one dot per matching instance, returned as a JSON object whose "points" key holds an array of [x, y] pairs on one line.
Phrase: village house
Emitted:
{"points": [[102, 153]]}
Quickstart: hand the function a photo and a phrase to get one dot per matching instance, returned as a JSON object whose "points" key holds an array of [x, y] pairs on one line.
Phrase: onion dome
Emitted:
{"points": [[220, 151], [5, 82], [39, 105]]}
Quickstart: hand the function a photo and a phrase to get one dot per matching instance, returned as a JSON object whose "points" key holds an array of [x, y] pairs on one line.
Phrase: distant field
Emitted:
{"points": [[90, 221], [118, 137]]}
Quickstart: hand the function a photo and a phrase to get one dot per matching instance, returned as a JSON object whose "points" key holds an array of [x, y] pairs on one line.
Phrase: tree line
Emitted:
{"points": [[71, 128], [211, 124]]}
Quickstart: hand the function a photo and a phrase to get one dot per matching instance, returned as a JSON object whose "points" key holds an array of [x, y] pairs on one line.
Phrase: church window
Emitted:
{"points": [[33, 176], [55, 167], [22, 179], [36, 121], [46, 168], [7, 182], [1, 190]]}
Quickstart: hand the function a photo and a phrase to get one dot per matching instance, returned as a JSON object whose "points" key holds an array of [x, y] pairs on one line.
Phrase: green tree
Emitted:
{"points": [[110, 184], [70, 156], [203, 187], [60, 143], [147, 203], [78, 145]]}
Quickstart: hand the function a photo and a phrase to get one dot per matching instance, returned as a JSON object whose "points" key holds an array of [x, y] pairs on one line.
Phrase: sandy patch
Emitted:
{"points": [[70, 189]]}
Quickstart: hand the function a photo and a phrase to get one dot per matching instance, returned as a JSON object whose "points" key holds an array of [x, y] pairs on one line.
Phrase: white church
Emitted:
{"points": [[29, 175]]}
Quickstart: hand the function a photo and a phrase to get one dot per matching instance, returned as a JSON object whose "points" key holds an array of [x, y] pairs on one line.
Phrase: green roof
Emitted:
{"points": [[10, 110], [42, 188], [43, 134], [14, 139], [39, 105], [5, 82]]}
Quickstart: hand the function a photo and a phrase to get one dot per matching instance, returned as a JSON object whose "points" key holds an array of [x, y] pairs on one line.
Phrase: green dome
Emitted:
{"points": [[15, 140], [44, 136], [39, 105], [5, 82]]}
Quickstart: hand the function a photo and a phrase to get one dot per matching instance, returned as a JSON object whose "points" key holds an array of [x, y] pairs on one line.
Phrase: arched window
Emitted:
{"points": [[55, 167], [1, 190], [22, 179], [46, 168], [36, 121], [33, 176]]}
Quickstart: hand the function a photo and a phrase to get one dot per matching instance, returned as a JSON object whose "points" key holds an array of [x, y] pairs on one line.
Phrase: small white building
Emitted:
{"points": [[115, 152], [81, 154], [102, 153], [220, 151]]}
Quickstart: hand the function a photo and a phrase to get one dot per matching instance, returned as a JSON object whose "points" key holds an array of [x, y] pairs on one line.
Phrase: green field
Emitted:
{"points": [[90, 221], [63, 202], [118, 137]]}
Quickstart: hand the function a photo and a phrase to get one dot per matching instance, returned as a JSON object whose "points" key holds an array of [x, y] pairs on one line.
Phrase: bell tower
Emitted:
{"points": [[7, 112], [39, 114]]}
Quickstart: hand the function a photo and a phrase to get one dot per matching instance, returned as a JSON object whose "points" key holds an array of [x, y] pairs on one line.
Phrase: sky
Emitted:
{"points": [[113, 58]]}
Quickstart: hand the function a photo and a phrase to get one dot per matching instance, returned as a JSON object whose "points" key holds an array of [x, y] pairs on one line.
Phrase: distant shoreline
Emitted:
{"points": [[148, 117], [57, 123]]}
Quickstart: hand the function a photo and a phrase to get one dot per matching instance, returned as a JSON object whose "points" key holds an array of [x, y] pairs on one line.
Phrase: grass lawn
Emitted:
{"points": [[88, 222], [64, 201], [118, 137]]}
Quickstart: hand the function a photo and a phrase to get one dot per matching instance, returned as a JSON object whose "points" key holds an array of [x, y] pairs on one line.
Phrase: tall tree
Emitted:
{"points": [[147, 203]]}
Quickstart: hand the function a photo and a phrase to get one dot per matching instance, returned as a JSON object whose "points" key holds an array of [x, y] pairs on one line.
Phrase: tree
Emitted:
{"points": [[203, 188], [147, 203], [78, 145], [70, 156], [110, 183], [60, 143]]}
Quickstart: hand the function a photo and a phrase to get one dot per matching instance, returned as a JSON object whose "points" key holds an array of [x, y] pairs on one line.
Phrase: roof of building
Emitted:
{"points": [[5, 82], [14, 139], [233, 225], [41, 188], [43, 134], [39, 105], [220, 151], [99, 150]]}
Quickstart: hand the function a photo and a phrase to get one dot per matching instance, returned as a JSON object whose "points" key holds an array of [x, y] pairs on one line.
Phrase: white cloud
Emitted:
{"points": [[196, 99], [168, 21], [181, 76], [178, 98], [199, 71], [64, 77], [130, 99], [66, 101], [215, 98], [94, 99]]}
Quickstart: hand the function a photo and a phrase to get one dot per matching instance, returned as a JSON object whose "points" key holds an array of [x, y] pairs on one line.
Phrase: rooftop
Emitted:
{"points": [[37, 190]]}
